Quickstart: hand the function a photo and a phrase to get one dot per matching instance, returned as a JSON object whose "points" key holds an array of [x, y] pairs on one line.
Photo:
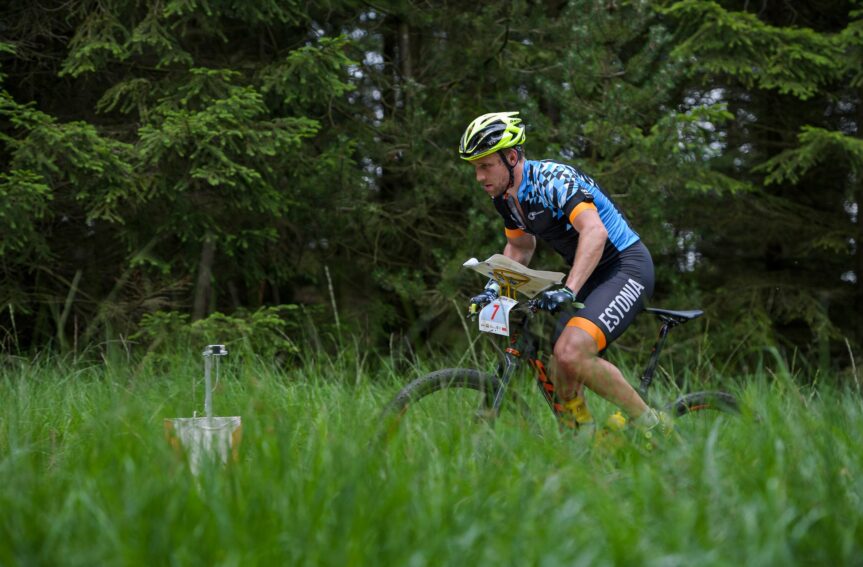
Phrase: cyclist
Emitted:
{"points": [[611, 269]]}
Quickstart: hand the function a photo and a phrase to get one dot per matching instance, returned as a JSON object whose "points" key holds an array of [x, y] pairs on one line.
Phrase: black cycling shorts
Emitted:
{"points": [[612, 297]]}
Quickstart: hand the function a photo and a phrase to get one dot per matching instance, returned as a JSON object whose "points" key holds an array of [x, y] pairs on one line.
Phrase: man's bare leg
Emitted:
{"points": [[577, 364]]}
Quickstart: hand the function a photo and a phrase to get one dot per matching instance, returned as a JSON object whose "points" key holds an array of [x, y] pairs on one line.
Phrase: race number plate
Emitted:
{"points": [[494, 317]]}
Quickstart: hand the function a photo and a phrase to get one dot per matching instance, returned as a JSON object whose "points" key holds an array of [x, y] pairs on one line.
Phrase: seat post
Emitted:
{"points": [[647, 376]]}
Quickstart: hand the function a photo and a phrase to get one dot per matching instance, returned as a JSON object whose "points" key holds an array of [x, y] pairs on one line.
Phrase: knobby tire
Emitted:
{"points": [[722, 402], [451, 379], [482, 382]]}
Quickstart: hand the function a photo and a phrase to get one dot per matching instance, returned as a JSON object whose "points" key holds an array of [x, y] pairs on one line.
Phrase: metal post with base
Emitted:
{"points": [[206, 437]]}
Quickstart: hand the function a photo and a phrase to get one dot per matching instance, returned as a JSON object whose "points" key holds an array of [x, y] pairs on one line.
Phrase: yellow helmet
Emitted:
{"points": [[490, 133]]}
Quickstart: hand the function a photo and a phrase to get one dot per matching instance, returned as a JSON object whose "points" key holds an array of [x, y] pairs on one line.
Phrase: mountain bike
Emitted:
{"points": [[477, 395]]}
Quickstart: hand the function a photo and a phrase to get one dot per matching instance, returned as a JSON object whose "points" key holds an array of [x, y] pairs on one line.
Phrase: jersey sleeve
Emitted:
{"points": [[579, 202], [569, 194]]}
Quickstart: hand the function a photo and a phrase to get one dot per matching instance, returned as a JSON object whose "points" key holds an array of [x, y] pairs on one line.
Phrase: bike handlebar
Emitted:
{"points": [[529, 306], [532, 305]]}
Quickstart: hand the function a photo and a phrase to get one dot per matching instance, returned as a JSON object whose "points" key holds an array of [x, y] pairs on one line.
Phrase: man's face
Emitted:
{"points": [[492, 174]]}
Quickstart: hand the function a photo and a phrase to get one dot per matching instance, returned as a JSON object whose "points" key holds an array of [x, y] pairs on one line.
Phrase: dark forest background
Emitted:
{"points": [[267, 165]]}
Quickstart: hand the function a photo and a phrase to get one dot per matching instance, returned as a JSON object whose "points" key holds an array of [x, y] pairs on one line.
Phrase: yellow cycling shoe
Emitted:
{"points": [[616, 422], [608, 439], [577, 407], [653, 427]]}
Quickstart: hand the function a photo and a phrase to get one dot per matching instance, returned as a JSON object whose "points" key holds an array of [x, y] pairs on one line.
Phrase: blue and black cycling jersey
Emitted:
{"points": [[551, 195]]}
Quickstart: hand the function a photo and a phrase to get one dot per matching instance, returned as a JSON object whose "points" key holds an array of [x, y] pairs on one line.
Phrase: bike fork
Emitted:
{"points": [[510, 363]]}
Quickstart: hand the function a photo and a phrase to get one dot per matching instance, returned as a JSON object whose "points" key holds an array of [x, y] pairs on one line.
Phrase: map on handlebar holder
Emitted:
{"points": [[537, 280], [494, 317]]}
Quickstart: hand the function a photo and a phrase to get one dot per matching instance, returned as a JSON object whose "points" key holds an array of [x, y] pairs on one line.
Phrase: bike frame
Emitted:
{"points": [[523, 345]]}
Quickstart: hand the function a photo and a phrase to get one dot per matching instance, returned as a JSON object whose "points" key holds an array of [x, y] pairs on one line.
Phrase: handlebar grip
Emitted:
{"points": [[533, 305]]}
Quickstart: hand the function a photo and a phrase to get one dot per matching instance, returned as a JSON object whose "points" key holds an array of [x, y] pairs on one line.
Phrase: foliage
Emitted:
{"points": [[210, 156], [265, 332], [24, 197], [791, 60], [190, 160], [73, 159], [789, 253], [94, 481], [816, 145]]}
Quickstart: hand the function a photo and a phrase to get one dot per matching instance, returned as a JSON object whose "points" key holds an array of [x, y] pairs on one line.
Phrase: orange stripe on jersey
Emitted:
{"points": [[514, 232], [590, 328], [580, 208]]}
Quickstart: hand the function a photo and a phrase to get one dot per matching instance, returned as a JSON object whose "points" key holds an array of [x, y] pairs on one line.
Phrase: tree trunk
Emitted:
{"points": [[203, 289], [391, 98], [405, 61], [858, 268]]}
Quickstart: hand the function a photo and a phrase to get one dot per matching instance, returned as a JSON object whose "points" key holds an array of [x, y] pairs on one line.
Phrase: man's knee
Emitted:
{"points": [[574, 348]]}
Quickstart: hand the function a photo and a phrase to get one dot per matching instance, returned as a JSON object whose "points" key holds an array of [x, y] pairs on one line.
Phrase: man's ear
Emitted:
{"points": [[512, 158]]}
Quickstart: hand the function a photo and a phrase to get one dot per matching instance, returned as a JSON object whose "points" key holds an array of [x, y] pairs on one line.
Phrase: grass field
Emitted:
{"points": [[88, 478]]}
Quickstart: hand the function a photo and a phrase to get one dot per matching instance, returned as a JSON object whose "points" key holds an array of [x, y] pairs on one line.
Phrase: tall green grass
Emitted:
{"points": [[88, 478]]}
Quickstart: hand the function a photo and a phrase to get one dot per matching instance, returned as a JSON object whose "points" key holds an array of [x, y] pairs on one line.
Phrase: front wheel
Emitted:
{"points": [[445, 403], [458, 392]]}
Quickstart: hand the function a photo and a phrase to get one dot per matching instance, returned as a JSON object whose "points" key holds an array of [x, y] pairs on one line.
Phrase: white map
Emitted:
{"points": [[537, 280]]}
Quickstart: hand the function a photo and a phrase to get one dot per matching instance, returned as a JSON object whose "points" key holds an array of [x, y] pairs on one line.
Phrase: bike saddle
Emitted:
{"points": [[677, 317]]}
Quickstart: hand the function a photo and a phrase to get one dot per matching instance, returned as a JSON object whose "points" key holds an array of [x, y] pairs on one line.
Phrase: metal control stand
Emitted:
{"points": [[207, 437], [211, 353]]}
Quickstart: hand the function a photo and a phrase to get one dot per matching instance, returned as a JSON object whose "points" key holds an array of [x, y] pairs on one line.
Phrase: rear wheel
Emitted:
{"points": [[697, 402]]}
